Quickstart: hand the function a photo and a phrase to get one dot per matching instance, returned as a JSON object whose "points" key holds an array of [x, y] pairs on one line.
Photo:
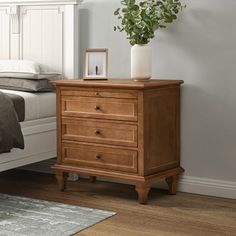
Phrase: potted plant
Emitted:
{"points": [[140, 20]]}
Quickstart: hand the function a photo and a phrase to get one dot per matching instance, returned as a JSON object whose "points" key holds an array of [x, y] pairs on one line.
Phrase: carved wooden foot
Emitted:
{"points": [[92, 179], [172, 184], [143, 190], [61, 179]]}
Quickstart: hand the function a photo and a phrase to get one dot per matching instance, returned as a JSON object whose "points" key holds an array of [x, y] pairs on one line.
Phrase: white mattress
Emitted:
{"points": [[37, 105]]}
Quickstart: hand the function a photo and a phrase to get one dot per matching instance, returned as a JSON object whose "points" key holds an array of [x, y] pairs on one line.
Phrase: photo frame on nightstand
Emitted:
{"points": [[96, 64]]}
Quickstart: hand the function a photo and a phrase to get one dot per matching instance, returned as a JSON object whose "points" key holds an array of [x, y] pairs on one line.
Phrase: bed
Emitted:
{"points": [[45, 32]]}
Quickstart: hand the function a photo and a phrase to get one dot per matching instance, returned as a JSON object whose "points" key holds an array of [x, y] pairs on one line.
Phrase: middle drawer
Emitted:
{"points": [[95, 131]]}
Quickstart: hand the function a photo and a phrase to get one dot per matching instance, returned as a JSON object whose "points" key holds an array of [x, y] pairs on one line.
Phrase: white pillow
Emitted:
{"points": [[50, 75], [19, 69], [24, 69]]}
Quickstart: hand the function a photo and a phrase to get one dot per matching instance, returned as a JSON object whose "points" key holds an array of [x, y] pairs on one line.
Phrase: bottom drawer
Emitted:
{"points": [[99, 157]]}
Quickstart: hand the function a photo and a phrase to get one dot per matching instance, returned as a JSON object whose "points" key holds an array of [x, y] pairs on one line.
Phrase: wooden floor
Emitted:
{"points": [[183, 214]]}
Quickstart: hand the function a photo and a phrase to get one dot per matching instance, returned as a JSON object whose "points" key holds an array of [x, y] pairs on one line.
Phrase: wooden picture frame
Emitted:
{"points": [[96, 64]]}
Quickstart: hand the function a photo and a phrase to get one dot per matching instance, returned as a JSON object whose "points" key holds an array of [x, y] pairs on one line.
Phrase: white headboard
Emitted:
{"points": [[45, 31]]}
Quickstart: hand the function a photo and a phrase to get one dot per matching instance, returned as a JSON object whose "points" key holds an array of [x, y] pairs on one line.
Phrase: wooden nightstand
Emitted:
{"points": [[120, 129]]}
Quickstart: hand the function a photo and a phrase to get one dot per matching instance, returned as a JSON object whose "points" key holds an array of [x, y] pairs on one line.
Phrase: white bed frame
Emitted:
{"points": [[45, 31]]}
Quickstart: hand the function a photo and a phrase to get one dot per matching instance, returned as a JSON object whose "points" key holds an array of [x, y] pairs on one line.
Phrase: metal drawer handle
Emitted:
{"points": [[98, 132], [98, 157], [97, 108]]}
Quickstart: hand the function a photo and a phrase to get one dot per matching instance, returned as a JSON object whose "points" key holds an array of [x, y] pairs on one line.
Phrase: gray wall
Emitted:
{"points": [[200, 48]]}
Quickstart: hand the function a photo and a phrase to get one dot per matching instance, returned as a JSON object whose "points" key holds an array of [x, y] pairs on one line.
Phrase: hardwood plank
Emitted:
{"points": [[165, 215]]}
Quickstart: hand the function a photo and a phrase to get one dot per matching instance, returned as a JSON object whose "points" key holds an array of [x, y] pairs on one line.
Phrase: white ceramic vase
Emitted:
{"points": [[141, 62]]}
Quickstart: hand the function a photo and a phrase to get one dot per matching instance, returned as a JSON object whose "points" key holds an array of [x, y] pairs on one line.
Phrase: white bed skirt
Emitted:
{"points": [[40, 144]]}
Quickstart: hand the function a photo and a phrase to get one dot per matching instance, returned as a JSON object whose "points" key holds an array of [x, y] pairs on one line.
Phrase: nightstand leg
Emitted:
{"points": [[143, 190], [61, 179], [92, 179], [172, 184]]}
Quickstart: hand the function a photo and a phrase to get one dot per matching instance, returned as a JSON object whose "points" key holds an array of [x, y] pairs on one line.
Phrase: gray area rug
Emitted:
{"points": [[21, 216]]}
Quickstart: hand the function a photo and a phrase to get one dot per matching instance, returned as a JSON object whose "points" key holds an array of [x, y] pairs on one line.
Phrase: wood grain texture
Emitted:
{"points": [[99, 93], [172, 183], [132, 177], [61, 179], [59, 126], [161, 134], [142, 188], [119, 84], [131, 134], [103, 108], [165, 215], [99, 157], [96, 131]]}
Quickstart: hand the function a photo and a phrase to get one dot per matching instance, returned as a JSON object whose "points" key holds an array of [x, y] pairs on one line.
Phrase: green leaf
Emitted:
{"points": [[140, 19], [117, 12]]}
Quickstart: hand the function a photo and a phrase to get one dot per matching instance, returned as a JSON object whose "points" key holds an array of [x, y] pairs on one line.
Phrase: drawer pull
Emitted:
{"points": [[98, 132], [97, 108], [98, 157]]}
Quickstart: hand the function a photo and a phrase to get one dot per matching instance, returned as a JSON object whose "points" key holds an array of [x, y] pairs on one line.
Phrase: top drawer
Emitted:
{"points": [[99, 107], [99, 93]]}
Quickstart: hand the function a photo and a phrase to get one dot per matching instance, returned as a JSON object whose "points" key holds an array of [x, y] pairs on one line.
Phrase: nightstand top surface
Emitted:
{"points": [[118, 83]]}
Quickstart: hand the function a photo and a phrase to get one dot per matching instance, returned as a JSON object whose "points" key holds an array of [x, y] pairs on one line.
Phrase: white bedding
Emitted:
{"points": [[37, 105], [40, 144]]}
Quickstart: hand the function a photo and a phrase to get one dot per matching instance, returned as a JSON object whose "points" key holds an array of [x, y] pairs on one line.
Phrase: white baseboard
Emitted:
{"points": [[189, 184], [206, 186]]}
